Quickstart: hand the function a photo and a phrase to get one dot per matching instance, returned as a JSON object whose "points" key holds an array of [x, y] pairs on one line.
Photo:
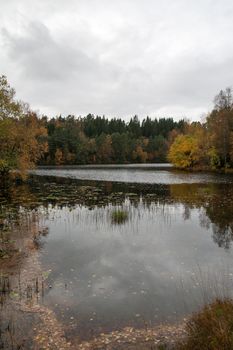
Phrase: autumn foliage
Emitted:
{"points": [[27, 139], [211, 328], [22, 133], [184, 151], [210, 144], [98, 140]]}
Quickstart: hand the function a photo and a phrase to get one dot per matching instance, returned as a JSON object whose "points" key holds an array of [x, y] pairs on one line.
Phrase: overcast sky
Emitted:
{"points": [[117, 57]]}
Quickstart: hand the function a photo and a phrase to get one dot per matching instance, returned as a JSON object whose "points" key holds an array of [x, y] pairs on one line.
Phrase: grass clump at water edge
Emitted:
{"points": [[211, 328], [119, 216]]}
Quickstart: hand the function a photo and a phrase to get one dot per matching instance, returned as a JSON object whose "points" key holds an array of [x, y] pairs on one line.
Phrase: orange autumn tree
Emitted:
{"points": [[22, 134]]}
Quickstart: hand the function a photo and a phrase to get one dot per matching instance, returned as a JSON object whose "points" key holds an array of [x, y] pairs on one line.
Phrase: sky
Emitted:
{"points": [[118, 58]]}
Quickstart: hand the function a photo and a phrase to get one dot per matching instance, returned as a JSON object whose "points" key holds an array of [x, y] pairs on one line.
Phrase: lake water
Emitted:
{"points": [[133, 173], [170, 254]]}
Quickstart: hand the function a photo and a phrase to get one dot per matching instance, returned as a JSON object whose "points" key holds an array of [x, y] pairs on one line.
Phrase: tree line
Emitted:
{"points": [[27, 139], [95, 140]]}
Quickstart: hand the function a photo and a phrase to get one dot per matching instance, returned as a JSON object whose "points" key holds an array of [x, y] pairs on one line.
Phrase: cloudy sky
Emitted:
{"points": [[117, 57]]}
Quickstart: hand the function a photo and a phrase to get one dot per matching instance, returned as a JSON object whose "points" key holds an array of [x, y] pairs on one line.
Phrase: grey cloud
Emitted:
{"points": [[118, 58], [40, 57]]}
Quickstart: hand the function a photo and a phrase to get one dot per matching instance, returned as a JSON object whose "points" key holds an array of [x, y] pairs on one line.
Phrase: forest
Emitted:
{"points": [[98, 140], [27, 139]]}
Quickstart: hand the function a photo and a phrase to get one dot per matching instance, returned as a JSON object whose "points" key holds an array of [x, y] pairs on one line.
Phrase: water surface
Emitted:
{"points": [[171, 254], [133, 173]]}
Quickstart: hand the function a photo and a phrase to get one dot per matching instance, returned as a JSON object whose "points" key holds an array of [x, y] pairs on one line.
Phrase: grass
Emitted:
{"points": [[211, 328], [119, 216]]}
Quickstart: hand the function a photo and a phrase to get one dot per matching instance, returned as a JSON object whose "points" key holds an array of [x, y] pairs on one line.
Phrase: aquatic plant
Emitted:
{"points": [[119, 216]]}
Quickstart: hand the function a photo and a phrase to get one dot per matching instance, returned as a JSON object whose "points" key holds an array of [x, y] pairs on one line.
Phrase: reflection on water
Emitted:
{"points": [[173, 250]]}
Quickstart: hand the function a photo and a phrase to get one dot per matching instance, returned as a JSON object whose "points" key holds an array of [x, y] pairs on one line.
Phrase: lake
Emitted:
{"points": [[136, 173], [171, 252]]}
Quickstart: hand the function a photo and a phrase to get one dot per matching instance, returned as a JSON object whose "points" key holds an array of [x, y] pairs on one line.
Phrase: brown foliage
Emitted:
{"points": [[22, 133], [211, 328]]}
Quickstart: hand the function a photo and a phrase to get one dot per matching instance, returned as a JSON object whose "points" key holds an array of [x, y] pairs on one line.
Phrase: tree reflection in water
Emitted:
{"points": [[26, 210], [214, 201]]}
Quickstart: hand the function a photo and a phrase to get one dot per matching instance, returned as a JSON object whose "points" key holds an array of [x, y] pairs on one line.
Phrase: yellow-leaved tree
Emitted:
{"points": [[184, 152], [22, 134]]}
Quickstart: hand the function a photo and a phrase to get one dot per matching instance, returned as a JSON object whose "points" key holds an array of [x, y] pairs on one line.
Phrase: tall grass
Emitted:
{"points": [[211, 328]]}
